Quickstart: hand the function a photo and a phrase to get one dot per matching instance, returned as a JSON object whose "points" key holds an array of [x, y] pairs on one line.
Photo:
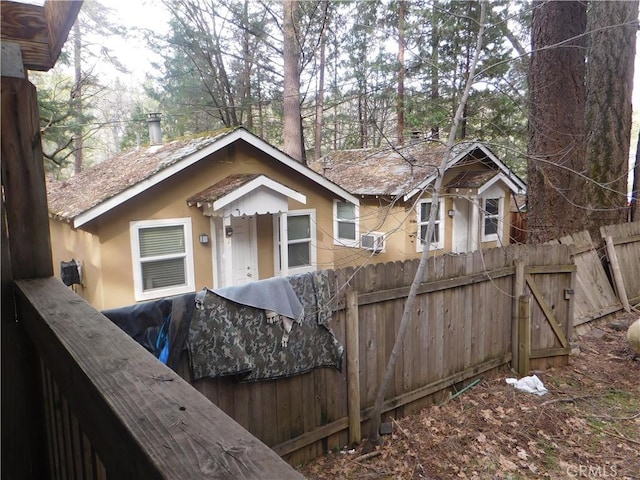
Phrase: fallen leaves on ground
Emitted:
{"points": [[586, 426]]}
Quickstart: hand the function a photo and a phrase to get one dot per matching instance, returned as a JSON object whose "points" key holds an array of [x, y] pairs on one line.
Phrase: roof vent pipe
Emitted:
{"points": [[155, 131]]}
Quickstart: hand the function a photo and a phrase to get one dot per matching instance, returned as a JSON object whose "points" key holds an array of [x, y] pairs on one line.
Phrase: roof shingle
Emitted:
{"points": [[381, 171], [89, 188]]}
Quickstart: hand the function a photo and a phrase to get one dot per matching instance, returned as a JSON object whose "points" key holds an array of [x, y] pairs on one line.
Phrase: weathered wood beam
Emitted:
{"points": [[23, 447], [23, 181], [40, 30]]}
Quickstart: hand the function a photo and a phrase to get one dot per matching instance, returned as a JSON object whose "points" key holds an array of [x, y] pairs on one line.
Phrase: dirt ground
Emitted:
{"points": [[586, 426]]}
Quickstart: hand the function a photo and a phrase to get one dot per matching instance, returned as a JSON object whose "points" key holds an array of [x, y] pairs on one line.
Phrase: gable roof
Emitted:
{"points": [[405, 170], [236, 186], [99, 189]]}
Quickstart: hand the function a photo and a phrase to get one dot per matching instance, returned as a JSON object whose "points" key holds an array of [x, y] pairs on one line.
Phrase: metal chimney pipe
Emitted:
{"points": [[155, 130]]}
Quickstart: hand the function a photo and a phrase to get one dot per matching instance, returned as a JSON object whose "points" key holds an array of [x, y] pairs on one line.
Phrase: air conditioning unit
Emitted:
{"points": [[373, 241]]}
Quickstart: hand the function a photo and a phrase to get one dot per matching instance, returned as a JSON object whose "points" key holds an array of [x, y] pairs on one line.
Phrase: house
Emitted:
{"points": [[213, 211], [208, 211], [394, 184]]}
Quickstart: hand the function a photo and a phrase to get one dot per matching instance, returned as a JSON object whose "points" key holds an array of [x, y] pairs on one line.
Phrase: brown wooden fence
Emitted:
{"points": [[468, 319], [594, 295], [624, 255]]}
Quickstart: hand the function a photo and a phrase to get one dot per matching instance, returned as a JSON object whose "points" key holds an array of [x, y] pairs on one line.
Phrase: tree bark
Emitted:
{"points": [[317, 153], [77, 97], [291, 103], [611, 27], [556, 113], [400, 105], [434, 72]]}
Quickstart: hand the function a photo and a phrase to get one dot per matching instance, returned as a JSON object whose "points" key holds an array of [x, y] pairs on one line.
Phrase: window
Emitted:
{"points": [[345, 224], [491, 222], [424, 211], [162, 258], [300, 231]]}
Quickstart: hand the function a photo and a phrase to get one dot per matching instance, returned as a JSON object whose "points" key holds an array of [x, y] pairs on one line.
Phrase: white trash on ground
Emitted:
{"points": [[531, 384]]}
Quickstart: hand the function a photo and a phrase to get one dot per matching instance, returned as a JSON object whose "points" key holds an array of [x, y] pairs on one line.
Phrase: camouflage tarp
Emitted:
{"points": [[227, 338]]}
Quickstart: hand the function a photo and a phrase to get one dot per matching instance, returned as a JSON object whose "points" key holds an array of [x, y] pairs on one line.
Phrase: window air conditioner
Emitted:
{"points": [[373, 241]]}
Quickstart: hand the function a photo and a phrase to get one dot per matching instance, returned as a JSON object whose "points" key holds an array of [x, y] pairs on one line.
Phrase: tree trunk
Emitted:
{"points": [[612, 27], [77, 97], [556, 113], [434, 72], [320, 97], [400, 107], [374, 432], [291, 102], [248, 64]]}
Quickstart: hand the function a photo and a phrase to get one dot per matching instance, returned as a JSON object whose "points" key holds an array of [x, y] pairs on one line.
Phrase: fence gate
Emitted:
{"points": [[544, 313]]}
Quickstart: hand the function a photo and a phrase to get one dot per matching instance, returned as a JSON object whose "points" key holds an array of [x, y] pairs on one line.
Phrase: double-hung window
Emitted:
{"points": [[162, 257], [491, 219], [297, 254], [424, 212], [345, 224]]}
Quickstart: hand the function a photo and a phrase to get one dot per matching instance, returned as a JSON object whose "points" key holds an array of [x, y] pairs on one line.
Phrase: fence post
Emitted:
{"points": [[524, 335], [518, 289], [353, 367]]}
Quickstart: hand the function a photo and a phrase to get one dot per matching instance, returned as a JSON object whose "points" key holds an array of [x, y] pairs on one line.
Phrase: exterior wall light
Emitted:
{"points": [[204, 239]]}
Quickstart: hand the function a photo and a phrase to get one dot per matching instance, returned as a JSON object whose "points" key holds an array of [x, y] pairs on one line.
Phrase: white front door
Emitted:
{"points": [[461, 225], [244, 250]]}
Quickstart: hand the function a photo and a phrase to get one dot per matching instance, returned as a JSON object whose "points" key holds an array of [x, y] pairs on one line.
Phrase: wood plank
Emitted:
{"points": [[539, 269], [625, 240], [23, 181], [618, 279], [524, 335], [549, 352], [23, 422], [468, 316], [434, 286], [353, 368], [144, 420], [22, 21], [60, 17], [41, 31], [283, 409]]}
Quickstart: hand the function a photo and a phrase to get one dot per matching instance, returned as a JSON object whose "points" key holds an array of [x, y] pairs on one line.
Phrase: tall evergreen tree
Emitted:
{"points": [[556, 113], [611, 27]]}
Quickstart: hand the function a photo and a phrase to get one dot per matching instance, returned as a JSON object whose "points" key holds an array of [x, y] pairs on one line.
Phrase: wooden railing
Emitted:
{"points": [[114, 411]]}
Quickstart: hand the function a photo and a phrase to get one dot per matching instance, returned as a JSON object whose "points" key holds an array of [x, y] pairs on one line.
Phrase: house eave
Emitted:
{"points": [[510, 178]]}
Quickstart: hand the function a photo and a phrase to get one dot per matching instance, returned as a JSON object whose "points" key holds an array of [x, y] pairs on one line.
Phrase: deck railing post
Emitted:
{"points": [[26, 253]]}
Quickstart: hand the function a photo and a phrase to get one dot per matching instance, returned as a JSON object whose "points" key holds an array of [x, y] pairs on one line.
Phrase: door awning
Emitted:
{"points": [[245, 194]]}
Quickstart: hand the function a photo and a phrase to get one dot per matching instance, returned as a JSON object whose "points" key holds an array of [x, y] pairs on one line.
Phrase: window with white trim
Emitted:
{"points": [[424, 211], [345, 224], [491, 208], [300, 231], [162, 256]]}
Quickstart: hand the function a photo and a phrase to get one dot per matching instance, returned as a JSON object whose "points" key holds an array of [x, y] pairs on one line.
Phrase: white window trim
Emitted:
{"points": [[492, 237], [282, 233], [140, 293], [439, 226], [346, 242]]}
